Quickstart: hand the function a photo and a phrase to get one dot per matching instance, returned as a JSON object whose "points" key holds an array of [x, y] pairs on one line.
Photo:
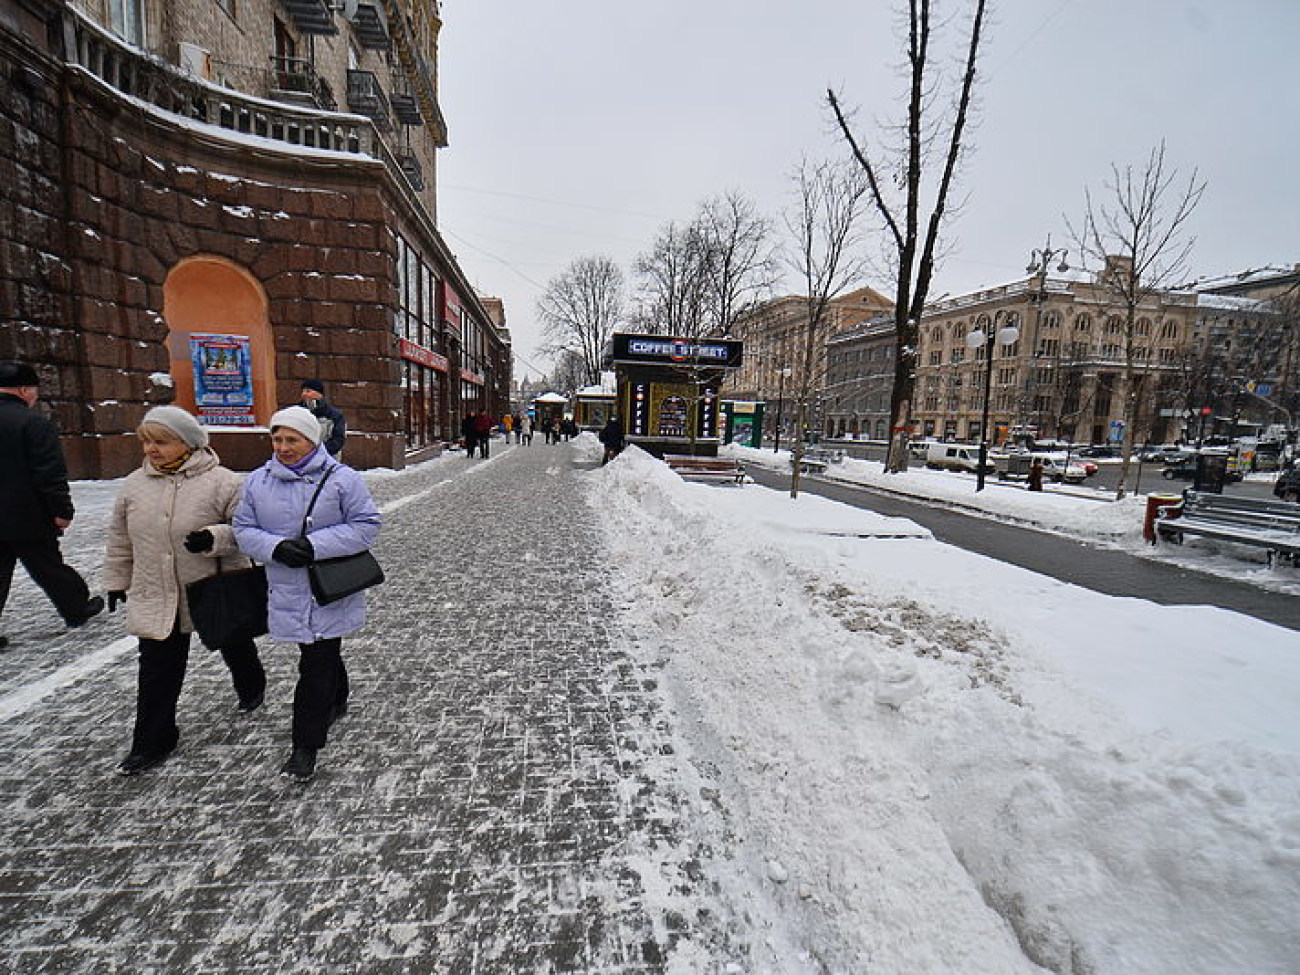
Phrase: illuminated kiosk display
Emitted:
{"points": [[667, 390]]}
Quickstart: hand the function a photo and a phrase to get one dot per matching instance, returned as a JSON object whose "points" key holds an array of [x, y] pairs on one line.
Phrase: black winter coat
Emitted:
{"points": [[332, 422], [33, 475]]}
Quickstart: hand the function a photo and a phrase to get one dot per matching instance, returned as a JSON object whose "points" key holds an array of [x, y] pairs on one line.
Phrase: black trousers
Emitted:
{"points": [[162, 675], [322, 688], [44, 563]]}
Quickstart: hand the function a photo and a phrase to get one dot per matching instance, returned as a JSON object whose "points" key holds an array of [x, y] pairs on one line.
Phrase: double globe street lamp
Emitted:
{"points": [[979, 338]]}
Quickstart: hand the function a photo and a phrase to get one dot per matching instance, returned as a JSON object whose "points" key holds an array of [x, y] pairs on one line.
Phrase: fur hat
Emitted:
{"points": [[179, 422], [298, 418], [315, 384], [14, 375]]}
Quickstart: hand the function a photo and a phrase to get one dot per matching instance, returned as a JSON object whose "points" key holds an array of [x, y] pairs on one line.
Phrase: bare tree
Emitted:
{"points": [[1136, 233], [899, 178], [824, 225], [580, 309], [569, 373], [674, 283], [740, 260]]}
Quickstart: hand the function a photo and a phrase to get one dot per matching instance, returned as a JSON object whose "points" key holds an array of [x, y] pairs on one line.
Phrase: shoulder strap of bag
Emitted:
{"points": [[312, 503]]}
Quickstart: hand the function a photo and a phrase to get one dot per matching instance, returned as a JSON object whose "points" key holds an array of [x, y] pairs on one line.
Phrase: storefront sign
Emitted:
{"points": [[667, 350], [223, 379], [471, 377], [639, 422], [425, 357]]}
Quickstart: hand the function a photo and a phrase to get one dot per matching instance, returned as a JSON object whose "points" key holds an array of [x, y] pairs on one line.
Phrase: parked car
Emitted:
{"points": [[1287, 485], [955, 457], [1165, 454], [1185, 470], [1098, 450], [1056, 469], [1089, 466]]}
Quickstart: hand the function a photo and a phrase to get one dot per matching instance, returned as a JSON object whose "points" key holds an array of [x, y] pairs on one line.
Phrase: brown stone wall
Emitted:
{"points": [[36, 306], [97, 223]]}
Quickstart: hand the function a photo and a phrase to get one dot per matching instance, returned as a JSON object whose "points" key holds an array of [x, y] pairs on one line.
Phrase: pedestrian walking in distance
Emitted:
{"points": [[468, 432], [170, 526], [1036, 475], [35, 500], [526, 429], [334, 428], [269, 527], [483, 432], [611, 435]]}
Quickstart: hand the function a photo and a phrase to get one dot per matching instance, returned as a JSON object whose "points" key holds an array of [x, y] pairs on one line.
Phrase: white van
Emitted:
{"points": [[955, 457]]}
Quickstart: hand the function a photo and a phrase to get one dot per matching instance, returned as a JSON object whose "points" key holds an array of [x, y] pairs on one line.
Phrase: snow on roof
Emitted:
{"points": [[1230, 303], [551, 398]]}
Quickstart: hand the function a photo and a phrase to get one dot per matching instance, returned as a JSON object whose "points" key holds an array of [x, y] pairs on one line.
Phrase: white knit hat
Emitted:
{"points": [[298, 418], [179, 422]]}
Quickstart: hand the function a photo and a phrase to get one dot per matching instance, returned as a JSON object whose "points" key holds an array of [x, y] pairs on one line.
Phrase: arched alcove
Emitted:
{"points": [[210, 295]]}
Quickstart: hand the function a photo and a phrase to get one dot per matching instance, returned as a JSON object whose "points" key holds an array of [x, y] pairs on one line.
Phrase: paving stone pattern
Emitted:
{"points": [[485, 806]]}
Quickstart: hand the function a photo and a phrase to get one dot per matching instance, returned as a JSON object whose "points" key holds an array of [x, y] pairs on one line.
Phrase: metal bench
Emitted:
{"points": [[1271, 525], [712, 469], [815, 460]]}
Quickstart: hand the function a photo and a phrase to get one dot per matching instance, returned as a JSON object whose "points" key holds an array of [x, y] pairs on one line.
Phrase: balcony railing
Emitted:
{"points": [[366, 97], [311, 16], [167, 89], [405, 108], [410, 166], [371, 26], [295, 80]]}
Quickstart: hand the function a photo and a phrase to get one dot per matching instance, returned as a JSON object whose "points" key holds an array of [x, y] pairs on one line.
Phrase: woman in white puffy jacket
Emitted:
{"points": [[170, 526]]}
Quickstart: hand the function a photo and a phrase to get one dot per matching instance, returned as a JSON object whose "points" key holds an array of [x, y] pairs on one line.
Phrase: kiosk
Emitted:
{"points": [[667, 390]]}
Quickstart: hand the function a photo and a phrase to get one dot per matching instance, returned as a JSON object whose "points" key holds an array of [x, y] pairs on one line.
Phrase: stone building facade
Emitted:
{"points": [[1062, 376], [774, 333], [176, 179], [860, 380]]}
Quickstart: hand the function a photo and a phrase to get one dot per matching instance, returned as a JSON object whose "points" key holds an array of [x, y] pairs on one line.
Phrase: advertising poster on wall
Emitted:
{"points": [[223, 379]]}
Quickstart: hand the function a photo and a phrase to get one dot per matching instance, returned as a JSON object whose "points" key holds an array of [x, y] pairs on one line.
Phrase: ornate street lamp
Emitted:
{"points": [[784, 374], [976, 339]]}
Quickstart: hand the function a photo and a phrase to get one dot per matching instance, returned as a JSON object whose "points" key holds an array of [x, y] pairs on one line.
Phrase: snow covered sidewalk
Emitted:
{"points": [[605, 721], [498, 799]]}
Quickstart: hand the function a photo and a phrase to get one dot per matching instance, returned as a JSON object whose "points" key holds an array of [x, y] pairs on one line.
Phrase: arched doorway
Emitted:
{"points": [[211, 296]]}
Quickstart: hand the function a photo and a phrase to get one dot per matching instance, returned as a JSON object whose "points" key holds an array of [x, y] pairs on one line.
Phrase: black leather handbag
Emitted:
{"points": [[334, 579], [229, 607]]}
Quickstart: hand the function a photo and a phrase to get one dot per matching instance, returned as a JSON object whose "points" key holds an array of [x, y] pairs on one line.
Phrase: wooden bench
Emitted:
{"points": [[816, 459], [714, 469], [1271, 525]]}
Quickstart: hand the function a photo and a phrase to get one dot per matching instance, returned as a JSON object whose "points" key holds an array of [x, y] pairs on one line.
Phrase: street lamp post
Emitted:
{"points": [[979, 338], [783, 374]]}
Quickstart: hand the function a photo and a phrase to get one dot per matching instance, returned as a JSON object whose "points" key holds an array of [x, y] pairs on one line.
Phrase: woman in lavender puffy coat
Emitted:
{"points": [[269, 528]]}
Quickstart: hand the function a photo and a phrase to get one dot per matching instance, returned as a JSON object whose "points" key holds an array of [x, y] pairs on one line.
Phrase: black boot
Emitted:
{"points": [[301, 765], [138, 762]]}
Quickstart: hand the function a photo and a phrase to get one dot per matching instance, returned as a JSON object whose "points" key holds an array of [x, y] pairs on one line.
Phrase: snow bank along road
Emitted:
{"points": [[1110, 571]]}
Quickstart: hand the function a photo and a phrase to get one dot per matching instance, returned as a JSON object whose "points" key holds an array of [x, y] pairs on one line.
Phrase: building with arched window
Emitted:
{"points": [[208, 203]]}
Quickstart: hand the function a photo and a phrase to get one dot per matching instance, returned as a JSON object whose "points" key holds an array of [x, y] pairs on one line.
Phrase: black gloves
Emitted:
{"points": [[296, 553], [199, 541], [116, 596]]}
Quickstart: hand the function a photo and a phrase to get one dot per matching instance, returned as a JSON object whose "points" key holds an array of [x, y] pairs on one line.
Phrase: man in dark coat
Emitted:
{"points": [[468, 427], [611, 435], [334, 429], [37, 502]]}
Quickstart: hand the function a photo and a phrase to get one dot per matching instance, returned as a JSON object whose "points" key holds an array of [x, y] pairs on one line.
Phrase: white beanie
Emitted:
{"points": [[298, 418], [179, 422]]}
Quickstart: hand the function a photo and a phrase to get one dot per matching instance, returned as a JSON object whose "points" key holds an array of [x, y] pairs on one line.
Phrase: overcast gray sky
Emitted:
{"points": [[580, 127]]}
